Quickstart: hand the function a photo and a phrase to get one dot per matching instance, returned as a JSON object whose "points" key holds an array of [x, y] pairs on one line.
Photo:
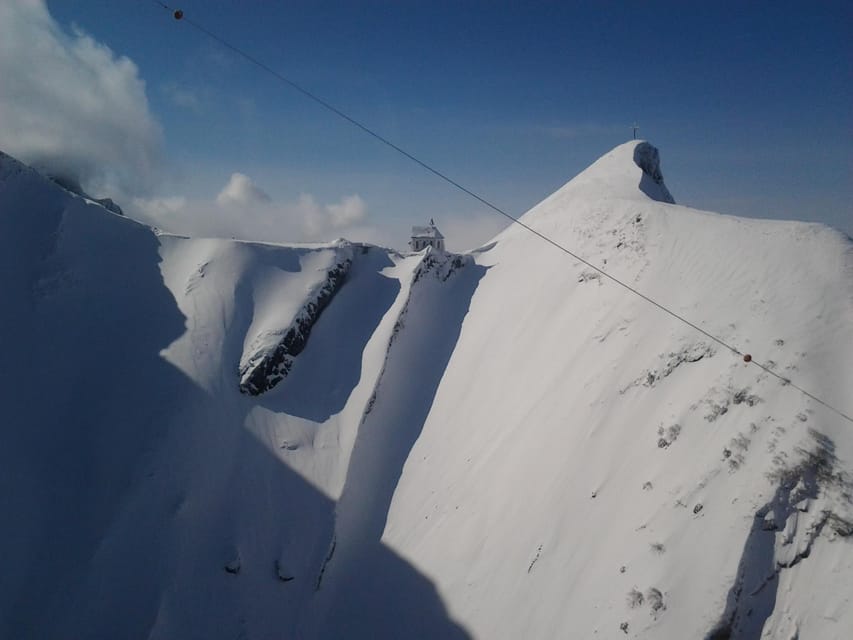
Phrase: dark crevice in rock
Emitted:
{"points": [[264, 371]]}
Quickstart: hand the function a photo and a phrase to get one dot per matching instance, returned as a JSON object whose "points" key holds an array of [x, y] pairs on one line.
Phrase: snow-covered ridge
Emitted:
{"points": [[630, 171], [502, 444], [269, 355], [606, 440], [10, 166]]}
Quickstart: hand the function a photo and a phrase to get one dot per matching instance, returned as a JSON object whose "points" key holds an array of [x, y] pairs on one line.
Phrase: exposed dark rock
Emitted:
{"points": [[744, 397], [70, 183], [265, 371], [647, 158], [717, 410], [635, 598], [779, 539], [588, 275], [668, 435], [440, 264], [326, 561], [655, 599], [535, 558], [671, 361], [281, 574], [109, 205]]}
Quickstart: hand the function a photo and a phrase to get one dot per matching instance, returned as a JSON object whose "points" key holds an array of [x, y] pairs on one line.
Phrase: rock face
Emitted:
{"points": [[784, 534], [647, 158], [269, 365], [72, 185]]}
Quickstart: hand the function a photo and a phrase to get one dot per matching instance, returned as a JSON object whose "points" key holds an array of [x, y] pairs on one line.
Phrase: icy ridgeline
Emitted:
{"points": [[338, 441], [146, 496]]}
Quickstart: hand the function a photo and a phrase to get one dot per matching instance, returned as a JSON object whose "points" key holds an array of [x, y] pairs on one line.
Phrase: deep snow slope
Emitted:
{"points": [[149, 492], [215, 439], [591, 467]]}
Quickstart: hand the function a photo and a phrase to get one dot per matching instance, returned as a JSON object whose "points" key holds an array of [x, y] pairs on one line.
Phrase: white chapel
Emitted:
{"points": [[423, 237]]}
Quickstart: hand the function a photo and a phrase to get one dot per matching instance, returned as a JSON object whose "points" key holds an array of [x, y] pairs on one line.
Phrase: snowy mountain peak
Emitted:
{"points": [[206, 438], [630, 171]]}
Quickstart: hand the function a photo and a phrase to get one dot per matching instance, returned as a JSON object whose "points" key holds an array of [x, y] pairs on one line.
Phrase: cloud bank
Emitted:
{"points": [[351, 210], [243, 210], [241, 191], [70, 106]]}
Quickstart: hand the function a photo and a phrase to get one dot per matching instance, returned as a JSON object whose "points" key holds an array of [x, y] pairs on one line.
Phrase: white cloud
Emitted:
{"points": [[69, 105], [319, 220], [159, 209], [348, 211], [182, 97], [241, 191], [243, 210]]}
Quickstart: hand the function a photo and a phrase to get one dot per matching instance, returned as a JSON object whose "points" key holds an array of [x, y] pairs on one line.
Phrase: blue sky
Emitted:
{"points": [[751, 104]]}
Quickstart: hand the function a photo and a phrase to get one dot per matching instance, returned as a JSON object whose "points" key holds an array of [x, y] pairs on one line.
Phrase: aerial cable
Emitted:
{"points": [[179, 15]]}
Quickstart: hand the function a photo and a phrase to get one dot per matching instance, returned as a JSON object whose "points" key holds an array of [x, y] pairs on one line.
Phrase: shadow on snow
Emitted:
{"points": [[418, 356], [127, 488], [329, 368]]}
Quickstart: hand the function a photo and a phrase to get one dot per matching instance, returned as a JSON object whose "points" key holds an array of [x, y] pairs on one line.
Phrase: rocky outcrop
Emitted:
{"points": [[647, 158], [71, 184], [266, 367], [784, 534]]}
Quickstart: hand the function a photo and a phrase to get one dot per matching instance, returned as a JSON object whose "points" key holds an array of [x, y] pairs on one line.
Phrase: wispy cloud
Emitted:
{"points": [[242, 209], [350, 210], [582, 130], [72, 107], [182, 96], [241, 191]]}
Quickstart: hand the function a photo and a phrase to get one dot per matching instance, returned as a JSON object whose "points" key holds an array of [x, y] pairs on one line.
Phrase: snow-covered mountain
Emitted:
{"points": [[218, 439]]}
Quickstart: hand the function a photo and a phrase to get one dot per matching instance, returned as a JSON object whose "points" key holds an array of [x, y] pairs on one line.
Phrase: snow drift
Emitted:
{"points": [[216, 439]]}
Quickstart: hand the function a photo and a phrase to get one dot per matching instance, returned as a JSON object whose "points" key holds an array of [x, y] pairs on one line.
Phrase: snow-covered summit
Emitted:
{"points": [[630, 171]]}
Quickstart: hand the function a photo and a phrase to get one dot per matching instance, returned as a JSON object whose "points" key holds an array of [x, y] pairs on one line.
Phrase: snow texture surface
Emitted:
{"points": [[219, 439]]}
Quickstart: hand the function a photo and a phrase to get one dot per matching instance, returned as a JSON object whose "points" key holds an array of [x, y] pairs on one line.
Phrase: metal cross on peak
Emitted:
{"points": [[636, 128]]}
